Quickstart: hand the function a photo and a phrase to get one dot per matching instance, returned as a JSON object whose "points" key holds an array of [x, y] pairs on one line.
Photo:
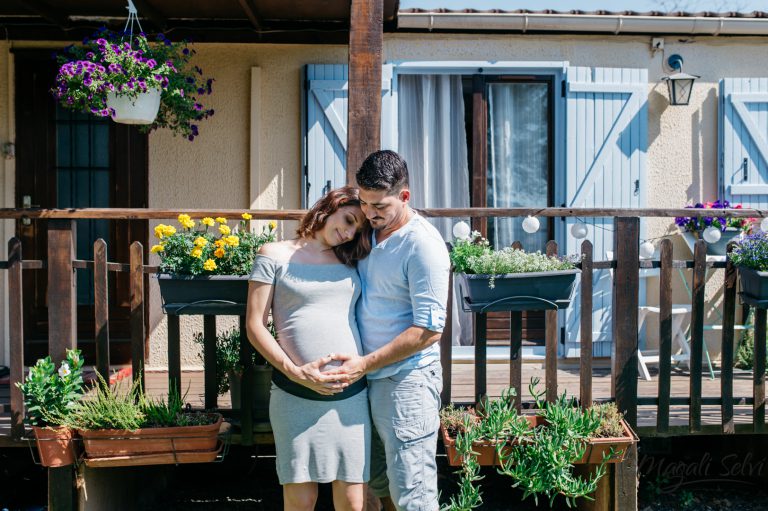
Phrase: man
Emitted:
{"points": [[400, 315]]}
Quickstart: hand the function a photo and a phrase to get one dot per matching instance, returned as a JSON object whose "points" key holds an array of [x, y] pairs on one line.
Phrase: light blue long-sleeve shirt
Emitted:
{"points": [[405, 284]]}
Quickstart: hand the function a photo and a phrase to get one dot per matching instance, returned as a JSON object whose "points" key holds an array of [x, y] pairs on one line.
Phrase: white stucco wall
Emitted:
{"points": [[214, 170]]}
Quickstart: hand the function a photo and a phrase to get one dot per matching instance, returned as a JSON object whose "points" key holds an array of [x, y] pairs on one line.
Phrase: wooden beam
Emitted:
{"points": [[62, 289], [251, 11], [47, 12], [364, 123], [16, 336], [148, 11]]}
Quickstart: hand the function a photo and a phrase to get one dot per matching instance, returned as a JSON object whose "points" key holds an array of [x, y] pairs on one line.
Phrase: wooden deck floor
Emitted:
{"points": [[498, 379]]}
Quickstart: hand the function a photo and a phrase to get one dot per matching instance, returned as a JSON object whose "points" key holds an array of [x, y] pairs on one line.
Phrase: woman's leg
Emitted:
{"points": [[348, 496], [299, 496]]}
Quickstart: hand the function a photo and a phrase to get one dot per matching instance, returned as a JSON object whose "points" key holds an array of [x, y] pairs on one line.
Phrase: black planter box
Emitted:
{"points": [[212, 294], [754, 284], [518, 291]]}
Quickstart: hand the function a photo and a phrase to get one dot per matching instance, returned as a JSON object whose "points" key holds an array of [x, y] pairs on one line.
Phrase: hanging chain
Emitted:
{"points": [[133, 17]]}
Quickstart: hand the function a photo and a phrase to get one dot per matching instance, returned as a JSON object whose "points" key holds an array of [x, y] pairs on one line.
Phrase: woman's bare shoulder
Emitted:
{"points": [[278, 250]]}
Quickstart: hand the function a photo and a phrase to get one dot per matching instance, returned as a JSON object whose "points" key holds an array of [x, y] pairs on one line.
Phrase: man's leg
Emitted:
{"points": [[405, 408]]}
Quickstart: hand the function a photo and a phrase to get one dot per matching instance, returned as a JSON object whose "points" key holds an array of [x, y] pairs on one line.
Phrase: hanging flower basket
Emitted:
{"points": [[520, 291], [139, 110], [113, 71]]}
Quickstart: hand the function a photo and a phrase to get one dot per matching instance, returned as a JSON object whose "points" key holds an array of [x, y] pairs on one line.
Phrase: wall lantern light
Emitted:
{"points": [[680, 84]]}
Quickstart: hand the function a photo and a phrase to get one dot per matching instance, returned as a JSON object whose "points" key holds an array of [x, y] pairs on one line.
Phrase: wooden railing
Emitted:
{"points": [[626, 266]]}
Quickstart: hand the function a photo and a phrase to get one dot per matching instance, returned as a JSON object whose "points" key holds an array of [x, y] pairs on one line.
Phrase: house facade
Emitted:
{"points": [[486, 115]]}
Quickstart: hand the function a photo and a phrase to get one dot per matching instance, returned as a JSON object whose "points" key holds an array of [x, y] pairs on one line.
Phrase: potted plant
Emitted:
{"points": [[49, 397], [207, 262], [511, 278], [539, 452], [122, 426], [134, 81], [724, 229], [229, 371], [750, 256]]}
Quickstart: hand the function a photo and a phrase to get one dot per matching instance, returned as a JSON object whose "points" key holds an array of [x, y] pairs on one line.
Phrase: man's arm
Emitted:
{"points": [[410, 341]]}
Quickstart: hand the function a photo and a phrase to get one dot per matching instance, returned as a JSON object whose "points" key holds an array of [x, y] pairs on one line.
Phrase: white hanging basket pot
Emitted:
{"points": [[139, 110]]}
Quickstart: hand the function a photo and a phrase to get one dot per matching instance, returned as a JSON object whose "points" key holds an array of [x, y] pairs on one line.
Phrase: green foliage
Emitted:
{"points": [[745, 355], [474, 256], [751, 252], [160, 412], [228, 354], [539, 460], [201, 251], [109, 407], [50, 395]]}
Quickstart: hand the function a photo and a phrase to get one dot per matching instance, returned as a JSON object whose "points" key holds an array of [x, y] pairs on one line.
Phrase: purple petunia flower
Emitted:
{"points": [[151, 63]]}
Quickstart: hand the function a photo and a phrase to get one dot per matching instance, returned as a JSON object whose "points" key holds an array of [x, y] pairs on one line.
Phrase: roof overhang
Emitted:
{"points": [[271, 21], [611, 23]]}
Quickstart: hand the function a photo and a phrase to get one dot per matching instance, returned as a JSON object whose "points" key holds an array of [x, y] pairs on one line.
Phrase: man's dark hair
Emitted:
{"points": [[383, 170]]}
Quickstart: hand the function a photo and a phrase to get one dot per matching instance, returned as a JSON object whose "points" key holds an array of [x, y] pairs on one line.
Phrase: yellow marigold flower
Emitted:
{"points": [[219, 243], [200, 242], [219, 252], [246, 216], [183, 219], [224, 229], [232, 241], [209, 265], [197, 252], [207, 221], [221, 219], [160, 230], [168, 230], [157, 248], [272, 225]]}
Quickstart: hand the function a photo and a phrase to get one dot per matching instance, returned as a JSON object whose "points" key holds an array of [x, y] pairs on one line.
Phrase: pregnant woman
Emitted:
{"points": [[321, 427]]}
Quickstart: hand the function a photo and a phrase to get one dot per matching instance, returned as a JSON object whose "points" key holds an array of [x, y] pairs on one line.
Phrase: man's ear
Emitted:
{"points": [[405, 195]]}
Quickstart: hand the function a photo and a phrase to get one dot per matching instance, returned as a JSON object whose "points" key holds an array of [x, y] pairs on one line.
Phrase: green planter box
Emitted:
{"points": [[212, 294], [754, 284], [518, 291]]}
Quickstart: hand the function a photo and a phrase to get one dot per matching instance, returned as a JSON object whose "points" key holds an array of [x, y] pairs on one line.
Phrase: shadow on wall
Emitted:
{"points": [[657, 103]]}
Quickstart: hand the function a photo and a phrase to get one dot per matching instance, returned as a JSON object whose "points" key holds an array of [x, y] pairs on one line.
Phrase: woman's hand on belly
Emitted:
{"points": [[310, 376]]}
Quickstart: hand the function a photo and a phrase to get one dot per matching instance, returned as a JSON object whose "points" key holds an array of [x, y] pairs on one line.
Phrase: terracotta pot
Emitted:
{"points": [[486, 451], [597, 447], [105, 443], [55, 446]]}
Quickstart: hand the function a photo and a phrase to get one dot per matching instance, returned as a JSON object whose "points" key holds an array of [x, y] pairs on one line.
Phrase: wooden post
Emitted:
{"points": [[62, 289], [209, 361], [62, 335], [138, 333], [550, 341], [481, 358], [246, 387], [726, 355], [585, 373], [101, 306], [626, 285], [758, 372], [16, 336], [697, 333], [174, 354], [366, 37], [665, 335], [515, 349], [446, 348]]}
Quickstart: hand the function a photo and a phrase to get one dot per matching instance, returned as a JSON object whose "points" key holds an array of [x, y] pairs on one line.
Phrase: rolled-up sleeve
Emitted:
{"points": [[428, 267]]}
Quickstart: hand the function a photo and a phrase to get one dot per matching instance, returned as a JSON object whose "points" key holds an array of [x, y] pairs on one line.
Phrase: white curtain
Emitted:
{"points": [[518, 148], [433, 141]]}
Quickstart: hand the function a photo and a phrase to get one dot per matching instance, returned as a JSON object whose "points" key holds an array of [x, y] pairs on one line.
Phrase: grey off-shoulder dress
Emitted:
{"points": [[313, 307]]}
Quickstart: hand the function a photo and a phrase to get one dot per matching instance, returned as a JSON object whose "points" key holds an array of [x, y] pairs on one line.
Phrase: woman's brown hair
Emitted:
{"points": [[352, 251]]}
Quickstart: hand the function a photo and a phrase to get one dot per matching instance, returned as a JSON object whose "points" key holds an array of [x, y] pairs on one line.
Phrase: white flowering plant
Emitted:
{"points": [[51, 394], [474, 255]]}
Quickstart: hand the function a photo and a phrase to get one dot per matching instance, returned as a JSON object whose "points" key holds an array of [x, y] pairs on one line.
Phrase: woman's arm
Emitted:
{"points": [[257, 317]]}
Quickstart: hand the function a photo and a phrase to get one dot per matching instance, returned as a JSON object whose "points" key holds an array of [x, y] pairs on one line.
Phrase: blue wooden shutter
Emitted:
{"points": [[325, 126], [606, 143], [325, 129], [743, 136]]}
